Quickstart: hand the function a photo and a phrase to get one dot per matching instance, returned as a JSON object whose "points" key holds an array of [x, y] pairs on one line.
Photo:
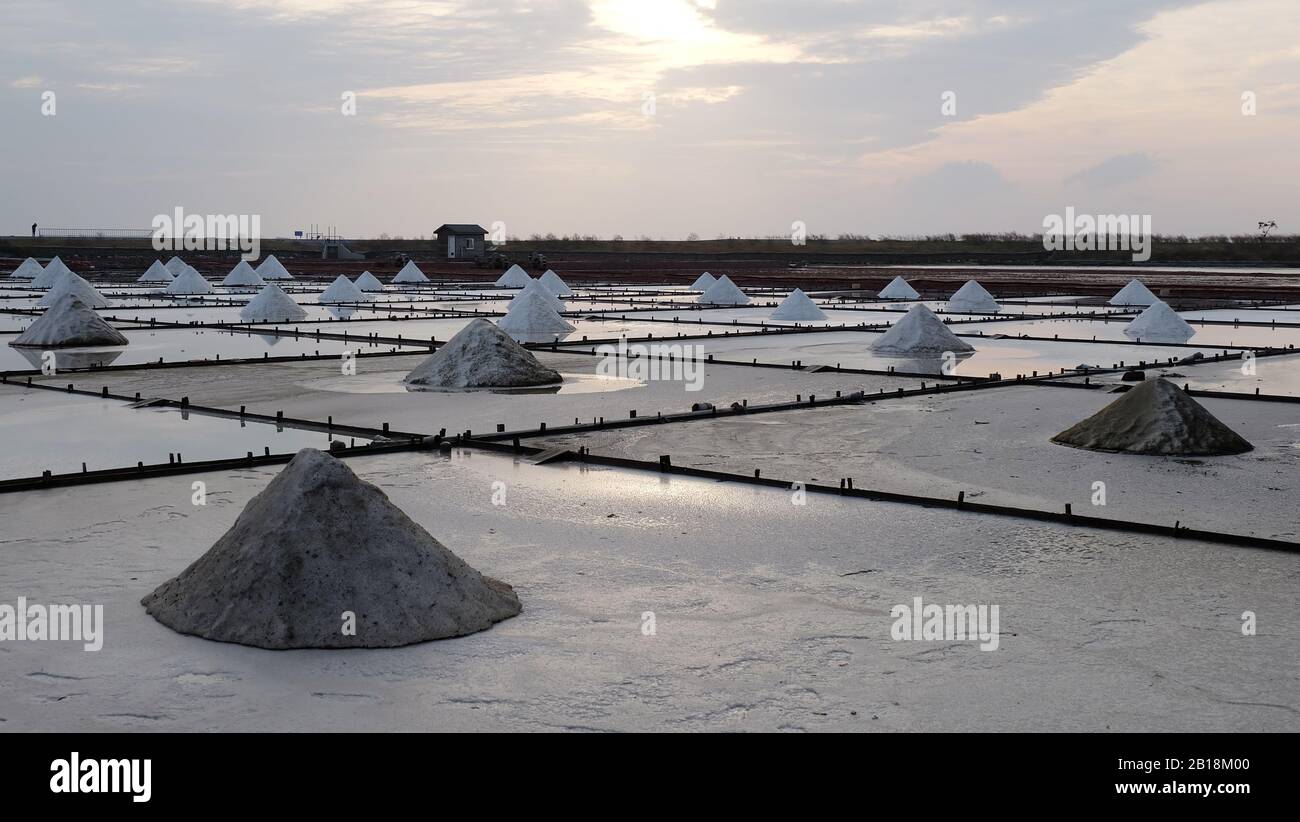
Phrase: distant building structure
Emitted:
{"points": [[463, 241]]}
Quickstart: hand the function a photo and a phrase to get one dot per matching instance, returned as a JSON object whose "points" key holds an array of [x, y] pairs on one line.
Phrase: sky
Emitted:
{"points": [[656, 118]]}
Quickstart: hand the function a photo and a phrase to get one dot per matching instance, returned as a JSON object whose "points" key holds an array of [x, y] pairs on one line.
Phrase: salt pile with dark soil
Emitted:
{"points": [[69, 322], [369, 282], [898, 289], [798, 307], [973, 298], [316, 544], [481, 355], [272, 305], [1159, 322], [176, 266], [1135, 293], [724, 292], [919, 332], [1155, 417]]}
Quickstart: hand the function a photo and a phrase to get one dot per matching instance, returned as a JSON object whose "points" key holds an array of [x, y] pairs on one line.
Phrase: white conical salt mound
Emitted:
{"points": [[531, 315], [189, 282], [1159, 322], [272, 305], [515, 277], [552, 283], [535, 287], [156, 273], [703, 283], [28, 269], [974, 299], [342, 290], [319, 542], [898, 289], [481, 355], [724, 292], [272, 269], [410, 273], [243, 275], [72, 284], [1155, 417], [51, 274], [1135, 293], [919, 332], [369, 282], [176, 266], [69, 322], [798, 307]]}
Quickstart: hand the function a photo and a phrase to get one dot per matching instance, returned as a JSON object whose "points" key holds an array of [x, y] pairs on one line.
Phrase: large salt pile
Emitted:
{"points": [[703, 283], [898, 289], [552, 282], [531, 316], [1155, 417], [156, 273], [243, 275], [798, 307], [317, 544], [176, 266], [272, 305], [724, 292], [1135, 293], [919, 332], [272, 269], [53, 272], [343, 290], [188, 282], [369, 282], [410, 273], [535, 287], [973, 298], [73, 284], [481, 355], [1159, 322], [69, 322], [29, 269], [515, 277]]}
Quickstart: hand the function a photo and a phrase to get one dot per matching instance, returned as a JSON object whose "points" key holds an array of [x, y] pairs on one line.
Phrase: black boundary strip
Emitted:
{"points": [[142, 471], [329, 426], [1177, 531], [7, 376], [741, 409]]}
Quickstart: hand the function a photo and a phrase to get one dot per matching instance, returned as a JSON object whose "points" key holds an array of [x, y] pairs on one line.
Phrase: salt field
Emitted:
{"points": [[917, 409], [650, 367]]}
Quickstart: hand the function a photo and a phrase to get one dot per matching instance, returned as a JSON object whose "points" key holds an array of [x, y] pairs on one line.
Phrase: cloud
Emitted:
{"points": [[1113, 171]]}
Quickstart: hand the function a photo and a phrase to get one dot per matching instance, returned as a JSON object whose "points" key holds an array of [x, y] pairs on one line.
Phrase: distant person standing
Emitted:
{"points": [[33, 229]]}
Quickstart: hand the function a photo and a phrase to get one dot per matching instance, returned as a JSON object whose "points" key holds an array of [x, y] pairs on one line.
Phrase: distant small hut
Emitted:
{"points": [[464, 241]]}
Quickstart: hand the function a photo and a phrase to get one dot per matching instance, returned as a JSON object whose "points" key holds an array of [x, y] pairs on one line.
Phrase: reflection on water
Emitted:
{"points": [[938, 364], [68, 358], [391, 382]]}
